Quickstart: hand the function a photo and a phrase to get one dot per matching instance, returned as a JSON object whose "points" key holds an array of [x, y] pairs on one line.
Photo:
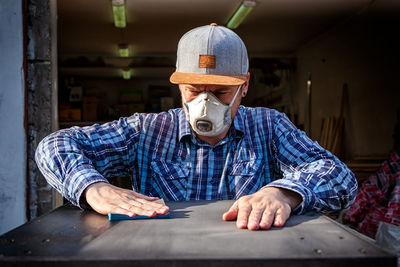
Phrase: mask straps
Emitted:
{"points": [[186, 107], [234, 98], [227, 116], [230, 105], [184, 99]]}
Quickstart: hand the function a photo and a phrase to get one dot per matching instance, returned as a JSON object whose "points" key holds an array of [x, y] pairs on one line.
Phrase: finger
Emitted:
{"points": [[268, 217], [133, 202], [138, 210], [255, 217], [136, 194], [119, 210], [243, 215], [150, 205], [231, 214], [281, 216]]}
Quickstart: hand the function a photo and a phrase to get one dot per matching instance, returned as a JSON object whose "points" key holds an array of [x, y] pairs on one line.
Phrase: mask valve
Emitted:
{"points": [[204, 126]]}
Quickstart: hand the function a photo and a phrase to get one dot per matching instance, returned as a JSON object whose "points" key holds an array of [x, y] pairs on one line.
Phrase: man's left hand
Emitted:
{"points": [[268, 206]]}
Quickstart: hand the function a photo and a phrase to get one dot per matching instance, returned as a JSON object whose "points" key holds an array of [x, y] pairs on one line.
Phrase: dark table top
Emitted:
{"points": [[195, 235]]}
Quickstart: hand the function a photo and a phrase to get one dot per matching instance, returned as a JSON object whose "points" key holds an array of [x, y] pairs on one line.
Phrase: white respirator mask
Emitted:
{"points": [[207, 115]]}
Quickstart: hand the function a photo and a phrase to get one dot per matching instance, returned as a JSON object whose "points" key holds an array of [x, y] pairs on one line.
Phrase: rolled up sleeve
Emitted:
{"points": [[323, 181], [72, 159]]}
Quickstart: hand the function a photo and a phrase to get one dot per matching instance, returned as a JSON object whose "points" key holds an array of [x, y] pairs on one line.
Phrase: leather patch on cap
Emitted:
{"points": [[207, 61]]}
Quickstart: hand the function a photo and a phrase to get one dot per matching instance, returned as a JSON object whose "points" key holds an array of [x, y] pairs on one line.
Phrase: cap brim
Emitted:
{"points": [[191, 78]]}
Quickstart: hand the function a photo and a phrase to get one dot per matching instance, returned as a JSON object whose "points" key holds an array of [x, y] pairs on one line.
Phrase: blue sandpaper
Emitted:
{"points": [[117, 217]]}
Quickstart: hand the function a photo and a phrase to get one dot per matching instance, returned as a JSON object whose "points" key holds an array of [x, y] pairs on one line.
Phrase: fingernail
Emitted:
{"points": [[163, 209], [253, 226]]}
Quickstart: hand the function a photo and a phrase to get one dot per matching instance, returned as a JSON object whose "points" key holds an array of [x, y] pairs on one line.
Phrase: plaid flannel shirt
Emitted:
{"points": [[164, 158]]}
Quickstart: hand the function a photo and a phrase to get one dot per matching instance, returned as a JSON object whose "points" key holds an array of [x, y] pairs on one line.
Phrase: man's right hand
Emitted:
{"points": [[105, 198]]}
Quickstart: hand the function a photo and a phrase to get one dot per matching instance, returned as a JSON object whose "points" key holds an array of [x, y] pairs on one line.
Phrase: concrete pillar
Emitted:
{"points": [[12, 131], [42, 95]]}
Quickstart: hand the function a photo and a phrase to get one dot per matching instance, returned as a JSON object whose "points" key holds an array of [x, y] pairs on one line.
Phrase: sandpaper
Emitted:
{"points": [[118, 217]]}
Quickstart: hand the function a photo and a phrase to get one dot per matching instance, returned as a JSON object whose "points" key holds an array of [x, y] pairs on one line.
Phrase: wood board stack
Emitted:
{"points": [[331, 134], [332, 128]]}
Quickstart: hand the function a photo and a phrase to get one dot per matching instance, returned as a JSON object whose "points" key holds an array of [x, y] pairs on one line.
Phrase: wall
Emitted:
{"points": [[12, 132], [362, 51], [41, 56]]}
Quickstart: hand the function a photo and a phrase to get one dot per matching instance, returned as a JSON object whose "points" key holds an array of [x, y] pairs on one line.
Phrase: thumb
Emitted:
{"points": [[232, 213]]}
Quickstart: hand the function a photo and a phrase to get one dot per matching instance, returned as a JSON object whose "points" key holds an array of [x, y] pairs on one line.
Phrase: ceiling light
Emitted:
{"points": [[119, 13], [123, 50], [241, 13], [126, 74]]}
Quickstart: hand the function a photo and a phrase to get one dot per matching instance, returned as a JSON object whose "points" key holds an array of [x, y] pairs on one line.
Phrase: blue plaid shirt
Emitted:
{"points": [[164, 158]]}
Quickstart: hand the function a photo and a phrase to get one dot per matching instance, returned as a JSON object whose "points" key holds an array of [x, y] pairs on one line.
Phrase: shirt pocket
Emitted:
{"points": [[170, 179], [245, 177]]}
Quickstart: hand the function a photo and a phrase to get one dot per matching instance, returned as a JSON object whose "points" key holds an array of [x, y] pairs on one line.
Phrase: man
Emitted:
{"points": [[213, 148]]}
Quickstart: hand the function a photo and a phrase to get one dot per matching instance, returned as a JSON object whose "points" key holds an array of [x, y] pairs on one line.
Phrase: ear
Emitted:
{"points": [[245, 86]]}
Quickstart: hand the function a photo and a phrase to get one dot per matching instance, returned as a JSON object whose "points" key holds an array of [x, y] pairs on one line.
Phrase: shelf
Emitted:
{"points": [[113, 72], [68, 124]]}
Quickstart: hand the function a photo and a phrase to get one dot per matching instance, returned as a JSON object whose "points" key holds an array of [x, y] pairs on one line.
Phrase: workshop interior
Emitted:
{"points": [[331, 66]]}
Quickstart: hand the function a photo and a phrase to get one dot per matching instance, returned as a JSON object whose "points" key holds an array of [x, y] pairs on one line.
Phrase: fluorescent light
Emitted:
{"points": [[241, 13], [119, 13], [126, 74], [123, 50]]}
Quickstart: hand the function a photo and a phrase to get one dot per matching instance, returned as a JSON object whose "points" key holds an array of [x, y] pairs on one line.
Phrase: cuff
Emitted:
{"points": [[79, 180], [303, 191], [82, 203]]}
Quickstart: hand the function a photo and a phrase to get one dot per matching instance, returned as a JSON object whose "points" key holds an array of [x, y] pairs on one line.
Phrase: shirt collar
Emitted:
{"points": [[185, 130], [238, 121], [184, 127]]}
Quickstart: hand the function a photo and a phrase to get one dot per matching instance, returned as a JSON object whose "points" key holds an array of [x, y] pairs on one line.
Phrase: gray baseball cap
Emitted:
{"points": [[211, 54]]}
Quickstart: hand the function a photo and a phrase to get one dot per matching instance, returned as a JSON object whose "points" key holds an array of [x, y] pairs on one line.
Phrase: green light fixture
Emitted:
{"points": [[126, 74], [241, 13], [123, 50], [119, 13]]}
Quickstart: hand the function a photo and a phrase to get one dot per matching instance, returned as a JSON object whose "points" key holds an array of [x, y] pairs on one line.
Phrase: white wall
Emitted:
{"points": [[364, 53], [12, 132]]}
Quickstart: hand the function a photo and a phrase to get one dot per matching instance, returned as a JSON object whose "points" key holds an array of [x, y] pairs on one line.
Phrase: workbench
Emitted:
{"points": [[195, 235]]}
